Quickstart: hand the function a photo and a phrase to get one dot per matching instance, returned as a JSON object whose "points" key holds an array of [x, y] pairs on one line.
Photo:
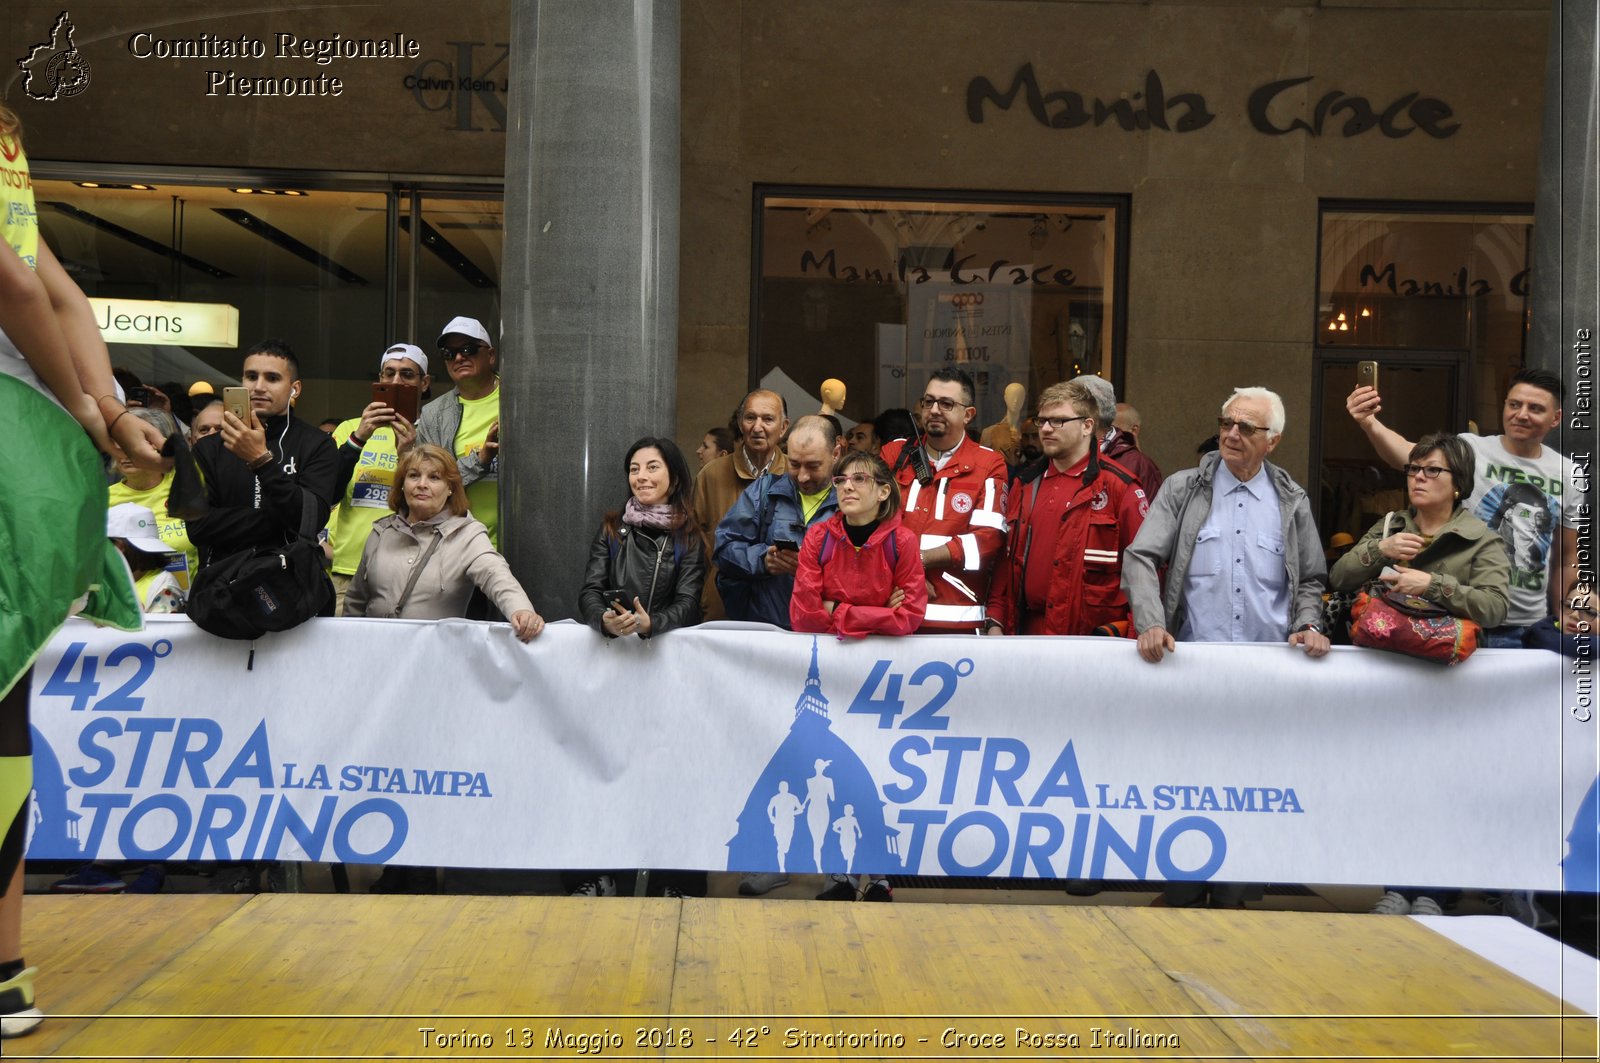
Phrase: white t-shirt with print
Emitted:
{"points": [[1525, 500]]}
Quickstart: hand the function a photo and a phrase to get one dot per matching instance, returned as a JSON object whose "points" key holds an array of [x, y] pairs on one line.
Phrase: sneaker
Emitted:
{"points": [[1392, 903], [1082, 887], [878, 891], [1426, 906], [91, 878], [150, 880], [1522, 907], [838, 890], [599, 886], [757, 883], [17, 1012], [236, 878], [674, 893]]}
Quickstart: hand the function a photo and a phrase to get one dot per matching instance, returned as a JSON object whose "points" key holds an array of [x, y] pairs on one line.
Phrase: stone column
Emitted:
{"points": [[1566, 298], [590, 278]]}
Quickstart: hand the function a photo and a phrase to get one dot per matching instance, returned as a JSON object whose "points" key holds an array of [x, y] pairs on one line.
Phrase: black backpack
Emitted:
{"points": [[263, 588]]}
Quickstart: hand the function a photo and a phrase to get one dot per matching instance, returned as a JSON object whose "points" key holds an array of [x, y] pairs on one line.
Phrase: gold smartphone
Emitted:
{"points": [[1367, 375], [237, 402]]}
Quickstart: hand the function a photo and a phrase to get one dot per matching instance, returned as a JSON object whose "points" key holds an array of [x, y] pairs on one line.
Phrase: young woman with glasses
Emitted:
{"points": [[860, 570]]}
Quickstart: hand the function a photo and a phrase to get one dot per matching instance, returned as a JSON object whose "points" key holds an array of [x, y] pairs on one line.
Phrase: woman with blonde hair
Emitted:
{"points": [[422, 562]]}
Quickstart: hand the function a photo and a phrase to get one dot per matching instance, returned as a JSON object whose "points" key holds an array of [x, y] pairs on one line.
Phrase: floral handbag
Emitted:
{"points": [[1385, 619]]}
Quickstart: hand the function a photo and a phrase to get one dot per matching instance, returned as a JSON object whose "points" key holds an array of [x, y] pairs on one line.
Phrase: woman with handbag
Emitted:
{"points": [[1435, 550], [1439, 553], [647, 565], [422, 562]]}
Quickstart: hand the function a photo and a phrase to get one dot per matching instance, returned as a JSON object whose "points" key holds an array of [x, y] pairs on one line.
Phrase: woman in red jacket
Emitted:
{"points": [[860, 570]]}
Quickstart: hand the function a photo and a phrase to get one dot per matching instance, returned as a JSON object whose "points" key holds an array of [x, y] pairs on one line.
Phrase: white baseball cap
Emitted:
{"points": [[136, 524], [466, 326], [405, 350]]}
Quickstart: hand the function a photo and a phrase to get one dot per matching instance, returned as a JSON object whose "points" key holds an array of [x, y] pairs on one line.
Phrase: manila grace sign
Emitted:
{"points": [[1152, 107]]}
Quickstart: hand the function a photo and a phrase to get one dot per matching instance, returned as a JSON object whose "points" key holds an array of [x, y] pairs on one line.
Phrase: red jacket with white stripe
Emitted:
{"points": [[1103, 514], [962, 507]]}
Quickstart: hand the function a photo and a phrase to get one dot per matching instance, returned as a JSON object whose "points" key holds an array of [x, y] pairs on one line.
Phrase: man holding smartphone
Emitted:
{"points": [[758, 542], [369, 450], [1524, 490], [254, 468]]}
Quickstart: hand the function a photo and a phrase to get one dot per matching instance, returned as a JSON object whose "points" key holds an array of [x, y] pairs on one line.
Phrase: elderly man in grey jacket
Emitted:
{"points": [[1244, 562]]}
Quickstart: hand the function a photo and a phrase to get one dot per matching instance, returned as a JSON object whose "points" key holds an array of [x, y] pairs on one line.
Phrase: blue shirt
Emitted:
{"points": [[1237, 588]]}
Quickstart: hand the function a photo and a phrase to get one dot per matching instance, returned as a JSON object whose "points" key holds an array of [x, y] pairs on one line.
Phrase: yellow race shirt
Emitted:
{"points": [[20, 222], [365, 499], [483, 497], [809, 504], [171, 530]]}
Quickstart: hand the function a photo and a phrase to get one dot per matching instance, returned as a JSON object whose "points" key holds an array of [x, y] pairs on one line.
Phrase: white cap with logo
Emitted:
{"points": [[136, 524]]}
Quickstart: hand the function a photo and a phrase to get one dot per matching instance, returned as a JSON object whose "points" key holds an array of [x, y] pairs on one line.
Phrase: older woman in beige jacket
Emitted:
{"points": [[422, 562]]}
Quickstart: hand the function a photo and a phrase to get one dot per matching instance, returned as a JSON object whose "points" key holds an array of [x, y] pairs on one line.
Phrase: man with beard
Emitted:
{"points": [[955, 499]]}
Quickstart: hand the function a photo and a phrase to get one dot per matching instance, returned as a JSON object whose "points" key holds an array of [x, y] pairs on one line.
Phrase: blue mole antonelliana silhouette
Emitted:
{"points": [[55, 835], [810, 758]]}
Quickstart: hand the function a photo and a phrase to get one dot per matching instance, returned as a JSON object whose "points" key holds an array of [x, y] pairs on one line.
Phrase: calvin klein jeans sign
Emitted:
{"points": [[1268, 109]]}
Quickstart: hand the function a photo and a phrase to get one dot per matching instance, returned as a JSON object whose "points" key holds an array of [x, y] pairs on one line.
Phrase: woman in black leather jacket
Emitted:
{"points": [[648, 563], [644, 576]]}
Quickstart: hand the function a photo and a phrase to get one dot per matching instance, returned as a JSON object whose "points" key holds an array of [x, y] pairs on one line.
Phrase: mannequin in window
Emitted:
{"points": [[832, 397], [1006, 435]]}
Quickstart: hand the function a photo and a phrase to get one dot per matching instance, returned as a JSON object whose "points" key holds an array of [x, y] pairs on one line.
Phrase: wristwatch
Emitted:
{"points": [[1313, 626]]}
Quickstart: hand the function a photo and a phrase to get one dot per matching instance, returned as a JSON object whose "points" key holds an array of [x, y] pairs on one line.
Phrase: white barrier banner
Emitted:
{"points": [[725, 748]]}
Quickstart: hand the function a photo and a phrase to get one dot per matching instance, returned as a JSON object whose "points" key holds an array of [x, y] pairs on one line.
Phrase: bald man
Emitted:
{"points": [[763, 420]]}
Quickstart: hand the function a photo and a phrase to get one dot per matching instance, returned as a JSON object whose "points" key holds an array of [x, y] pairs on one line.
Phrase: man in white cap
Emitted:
{"points": [[369, 450], [466, 419]]}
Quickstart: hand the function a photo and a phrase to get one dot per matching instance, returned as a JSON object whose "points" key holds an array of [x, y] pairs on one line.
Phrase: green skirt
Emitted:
{"points": [[53, 545]]}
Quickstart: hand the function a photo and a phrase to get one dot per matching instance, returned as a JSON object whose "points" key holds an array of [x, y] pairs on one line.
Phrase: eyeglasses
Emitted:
{"points": [[1058, 423], [466, 350], [945, 405], [858, 480], [1432, 472], [1245, 428]]}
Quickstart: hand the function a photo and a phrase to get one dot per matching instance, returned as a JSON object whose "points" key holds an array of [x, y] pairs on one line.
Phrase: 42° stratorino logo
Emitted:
{"points": [[55, 69]]}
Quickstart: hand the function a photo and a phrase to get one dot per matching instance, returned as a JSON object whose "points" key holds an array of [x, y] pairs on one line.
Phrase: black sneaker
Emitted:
{"points": [[838, 891], [878, 891]]}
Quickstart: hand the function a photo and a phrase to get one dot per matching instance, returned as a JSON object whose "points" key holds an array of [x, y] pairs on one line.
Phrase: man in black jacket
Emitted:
{"points": [[254, 470]]}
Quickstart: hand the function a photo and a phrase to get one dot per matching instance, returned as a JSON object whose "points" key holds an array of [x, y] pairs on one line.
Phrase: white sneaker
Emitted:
{"points": [[1426, 906], [756, 883], [1392, 903], [603, 886]]}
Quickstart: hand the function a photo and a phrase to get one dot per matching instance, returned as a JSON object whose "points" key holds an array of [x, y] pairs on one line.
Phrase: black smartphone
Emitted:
{"points": [[617, 595], [138, 396], [786, 544]]}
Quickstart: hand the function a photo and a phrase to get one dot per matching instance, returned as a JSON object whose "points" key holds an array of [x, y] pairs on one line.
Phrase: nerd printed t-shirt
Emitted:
{"points": [[365, 499], [1523, 499]]}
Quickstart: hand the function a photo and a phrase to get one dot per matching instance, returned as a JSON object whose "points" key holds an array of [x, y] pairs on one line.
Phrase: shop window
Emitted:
{"points": [[880, 293], [334, 271], [1439, 299]]}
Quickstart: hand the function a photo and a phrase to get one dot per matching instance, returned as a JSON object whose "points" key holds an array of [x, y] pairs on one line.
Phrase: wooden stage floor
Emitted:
{"points": [[317, 976]]}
